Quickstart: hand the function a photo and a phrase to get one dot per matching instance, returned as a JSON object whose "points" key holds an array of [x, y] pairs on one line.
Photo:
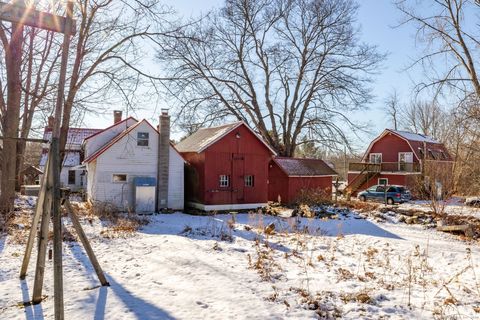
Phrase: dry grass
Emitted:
{"points": [[312, 197], [123, 227]]}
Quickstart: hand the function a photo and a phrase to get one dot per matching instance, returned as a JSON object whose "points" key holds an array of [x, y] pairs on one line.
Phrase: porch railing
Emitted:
{"points": [[384, 167]]}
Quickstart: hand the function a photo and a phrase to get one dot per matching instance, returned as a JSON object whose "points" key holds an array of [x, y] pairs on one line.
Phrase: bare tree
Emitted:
{"points": [[293, 70], [104, 70], [107, 53], [10, 116], [427, 118], [449, 41], [393, 108]]}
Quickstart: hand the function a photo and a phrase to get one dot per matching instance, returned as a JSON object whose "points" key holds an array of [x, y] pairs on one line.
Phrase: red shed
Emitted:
{"points": [[289, 176], [396, 158], [227, 168]]}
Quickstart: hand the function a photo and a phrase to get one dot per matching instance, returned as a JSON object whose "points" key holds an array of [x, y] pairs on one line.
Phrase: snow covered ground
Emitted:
{"points": [[185, 267], [451, 206]]}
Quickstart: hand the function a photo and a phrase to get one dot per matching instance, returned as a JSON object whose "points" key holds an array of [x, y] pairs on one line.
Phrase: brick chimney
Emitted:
{"points": [[117, 116], [163, 159], [51, 121]]}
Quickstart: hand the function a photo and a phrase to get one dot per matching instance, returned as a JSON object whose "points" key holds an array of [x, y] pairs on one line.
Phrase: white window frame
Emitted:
{"points": [[119, 174], [249, 180], [224, 181], [382, 179], [404, 162], [376, 154], [143, 139]]}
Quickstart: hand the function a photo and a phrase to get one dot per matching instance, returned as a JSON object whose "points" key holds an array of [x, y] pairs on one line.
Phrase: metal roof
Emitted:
{"points": [[304, 167], [205, 137]]}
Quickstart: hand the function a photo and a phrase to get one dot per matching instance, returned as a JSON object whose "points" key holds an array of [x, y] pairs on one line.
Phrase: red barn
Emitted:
{"points": [[395, 158], [289, 176], [227, 168]]}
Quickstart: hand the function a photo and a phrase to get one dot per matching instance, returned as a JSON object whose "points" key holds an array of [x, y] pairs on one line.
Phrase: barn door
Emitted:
{"points": [[238, 173]]}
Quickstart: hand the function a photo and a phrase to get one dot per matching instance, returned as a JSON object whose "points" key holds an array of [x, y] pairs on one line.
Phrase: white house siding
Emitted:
{"points": [[100, 139], [79, 179], [176, 180], [125, 157]]}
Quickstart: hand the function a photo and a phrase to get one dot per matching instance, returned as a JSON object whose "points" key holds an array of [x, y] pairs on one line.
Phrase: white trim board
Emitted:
{"points": [[222, 207]]}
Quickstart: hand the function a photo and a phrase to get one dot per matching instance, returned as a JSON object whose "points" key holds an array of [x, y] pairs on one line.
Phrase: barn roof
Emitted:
{"points": [[419, 144], [205, 137], [414, 136], [299, 167]]}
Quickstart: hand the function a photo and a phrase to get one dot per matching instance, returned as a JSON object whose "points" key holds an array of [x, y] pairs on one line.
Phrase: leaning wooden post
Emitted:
{"points": [[55, 147], [43, 237], [84, 240], [36, 219]]}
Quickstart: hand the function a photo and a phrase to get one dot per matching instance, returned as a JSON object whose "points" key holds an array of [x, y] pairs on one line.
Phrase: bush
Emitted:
{"points": [[314, 197]]}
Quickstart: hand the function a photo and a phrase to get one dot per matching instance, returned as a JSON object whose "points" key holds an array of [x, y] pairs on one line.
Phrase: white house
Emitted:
{"points": [[70, 175], [130, 153]]}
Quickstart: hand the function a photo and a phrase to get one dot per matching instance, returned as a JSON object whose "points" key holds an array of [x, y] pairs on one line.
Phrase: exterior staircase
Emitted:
{"points": [[368, 171]]}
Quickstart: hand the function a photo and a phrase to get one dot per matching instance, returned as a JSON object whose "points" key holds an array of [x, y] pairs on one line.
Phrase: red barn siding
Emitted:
{"points": [[235, 157], [296, 184], [389, 146], [277, 183], [289, 187], [194, 176]]}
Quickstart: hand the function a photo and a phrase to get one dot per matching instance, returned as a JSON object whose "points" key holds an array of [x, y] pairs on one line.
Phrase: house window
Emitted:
{"points": [[249, 181], [119, 178], [224, 180], [405, 161], [383, 181], [142, 139], [71, 176], [375, 158]]}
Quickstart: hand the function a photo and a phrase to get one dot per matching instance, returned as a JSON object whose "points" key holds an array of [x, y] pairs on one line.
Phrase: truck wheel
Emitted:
{"points": [[363, 198], [390, 201]]}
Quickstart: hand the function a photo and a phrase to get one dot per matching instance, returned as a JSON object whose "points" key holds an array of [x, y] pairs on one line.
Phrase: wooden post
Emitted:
{"points": [[35, 221], [43, 238], [85, 242], [56, 165]]}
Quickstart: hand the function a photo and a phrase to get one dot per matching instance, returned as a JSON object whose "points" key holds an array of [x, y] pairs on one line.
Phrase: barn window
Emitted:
{"points": [[382, 181], [375, 158], [119, 178], [224, 180], [71, 176], [142, 139], [249, 181]]}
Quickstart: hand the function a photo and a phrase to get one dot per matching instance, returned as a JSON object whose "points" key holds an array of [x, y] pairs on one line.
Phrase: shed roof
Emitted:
{"points": [[301, 167], [205, 137]]}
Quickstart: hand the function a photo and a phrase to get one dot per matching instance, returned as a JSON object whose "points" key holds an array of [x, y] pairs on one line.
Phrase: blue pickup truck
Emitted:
{"points": [[394, 194]]}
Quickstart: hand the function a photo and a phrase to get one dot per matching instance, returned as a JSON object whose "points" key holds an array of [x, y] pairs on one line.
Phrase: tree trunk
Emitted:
{"points": [[13, 57]]}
